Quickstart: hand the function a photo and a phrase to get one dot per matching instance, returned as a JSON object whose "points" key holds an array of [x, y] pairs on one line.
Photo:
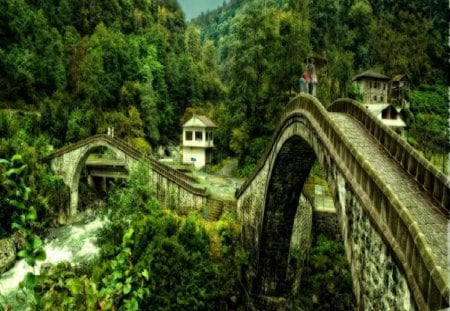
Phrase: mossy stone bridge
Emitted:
{"points": [[392, 207], [171, 186], [391, 204]]}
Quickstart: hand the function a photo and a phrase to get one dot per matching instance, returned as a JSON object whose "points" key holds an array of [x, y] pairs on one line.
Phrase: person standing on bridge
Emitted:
{"points": [[304, 80], [312, 76]]}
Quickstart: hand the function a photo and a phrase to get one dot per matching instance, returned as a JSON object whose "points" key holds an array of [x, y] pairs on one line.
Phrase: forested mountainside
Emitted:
{"points": [[87, 65], [138, 67], [394, 36], [262, 46]]}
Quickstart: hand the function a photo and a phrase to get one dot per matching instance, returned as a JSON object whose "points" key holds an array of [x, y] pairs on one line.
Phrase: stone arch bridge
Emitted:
{"points": [[171, 186], [392, 207]]}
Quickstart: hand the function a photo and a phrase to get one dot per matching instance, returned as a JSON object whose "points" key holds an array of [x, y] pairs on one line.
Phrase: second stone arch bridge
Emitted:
{"points": [[391, 204], [172, 187]]}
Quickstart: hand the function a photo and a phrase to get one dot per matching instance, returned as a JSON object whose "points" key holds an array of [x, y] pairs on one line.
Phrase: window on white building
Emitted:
{"points": [[198, 136], [188, 135], [375, 98]]}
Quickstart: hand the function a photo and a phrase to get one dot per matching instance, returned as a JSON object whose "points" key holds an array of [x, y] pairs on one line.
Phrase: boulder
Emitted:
{"points": [[7, 254], [18, 240]]}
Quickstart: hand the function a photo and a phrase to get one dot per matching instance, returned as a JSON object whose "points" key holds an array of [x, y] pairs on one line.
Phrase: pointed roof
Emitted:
{"points": [[200, 121], [377, 109], [371, 74]]}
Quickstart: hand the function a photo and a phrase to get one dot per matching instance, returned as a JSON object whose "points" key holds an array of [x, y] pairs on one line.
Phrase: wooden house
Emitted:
{"points": [[399, 90]]}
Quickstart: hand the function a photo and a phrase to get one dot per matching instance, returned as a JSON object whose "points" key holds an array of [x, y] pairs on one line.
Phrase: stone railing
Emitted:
{"points": [[179, 178], [433, 180], [428, 282]]}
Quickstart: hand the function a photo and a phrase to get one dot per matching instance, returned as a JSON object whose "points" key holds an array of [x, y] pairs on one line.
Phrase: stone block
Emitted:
{"points": [[7, 254]]}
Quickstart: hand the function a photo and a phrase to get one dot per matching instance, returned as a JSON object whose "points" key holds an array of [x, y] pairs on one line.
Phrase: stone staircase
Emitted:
{"points": [[215, 209], [217, 206]]}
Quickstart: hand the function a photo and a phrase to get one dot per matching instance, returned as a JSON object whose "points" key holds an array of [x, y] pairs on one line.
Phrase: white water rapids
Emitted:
{"points": [[72, 243]]}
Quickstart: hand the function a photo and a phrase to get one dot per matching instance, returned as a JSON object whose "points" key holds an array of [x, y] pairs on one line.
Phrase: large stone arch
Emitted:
{"points": [[374, 287]]}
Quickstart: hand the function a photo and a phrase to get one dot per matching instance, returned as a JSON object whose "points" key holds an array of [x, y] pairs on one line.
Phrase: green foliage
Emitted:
{"points": [[45, 193], [429, 121], [262, 46], [61, 288], [356, 92], [75, 57], [24, 216], [326, 279], [149, 257], [120, 288]]}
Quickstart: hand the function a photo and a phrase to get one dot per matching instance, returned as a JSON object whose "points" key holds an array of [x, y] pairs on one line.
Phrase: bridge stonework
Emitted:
{"points": [[172, 188], [376, 239]]}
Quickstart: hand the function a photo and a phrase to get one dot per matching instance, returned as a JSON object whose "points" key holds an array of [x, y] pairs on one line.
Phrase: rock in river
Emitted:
{"points": [[7, 254]]}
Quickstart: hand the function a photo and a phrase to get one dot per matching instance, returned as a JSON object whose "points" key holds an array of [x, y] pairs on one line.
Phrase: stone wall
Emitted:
{"points": [[381, 284], [326, 223], [300, 242], [7, 254], [377, 279]]}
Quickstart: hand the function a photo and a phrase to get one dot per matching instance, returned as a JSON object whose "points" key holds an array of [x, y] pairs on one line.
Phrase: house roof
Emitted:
{"points": [[371, 74], [199, 121], [376, 109], [394, 122], [399, 77]]}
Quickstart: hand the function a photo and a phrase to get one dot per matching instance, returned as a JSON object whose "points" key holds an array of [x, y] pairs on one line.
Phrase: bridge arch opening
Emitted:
{"points": [[290, 218], [287, 178], [96, 168]]}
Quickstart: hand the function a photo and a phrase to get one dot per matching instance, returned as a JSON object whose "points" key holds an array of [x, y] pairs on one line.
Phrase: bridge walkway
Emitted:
{"points": [[425, 211]]}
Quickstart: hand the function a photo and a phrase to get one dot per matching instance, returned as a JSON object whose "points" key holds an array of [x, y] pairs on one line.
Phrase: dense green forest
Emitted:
{"points": [[72, 68], [137, 65], [262, 47], [87, 65]]}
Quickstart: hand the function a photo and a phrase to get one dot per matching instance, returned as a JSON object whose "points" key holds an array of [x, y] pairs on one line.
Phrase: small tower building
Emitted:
{"points": [[198, 141]]}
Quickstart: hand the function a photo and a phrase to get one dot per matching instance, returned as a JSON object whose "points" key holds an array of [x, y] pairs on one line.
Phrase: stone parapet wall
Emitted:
{"points": [[416, 165]]}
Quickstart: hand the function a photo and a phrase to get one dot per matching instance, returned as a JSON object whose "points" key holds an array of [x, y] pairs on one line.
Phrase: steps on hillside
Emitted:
{"points": [[215, 209]]}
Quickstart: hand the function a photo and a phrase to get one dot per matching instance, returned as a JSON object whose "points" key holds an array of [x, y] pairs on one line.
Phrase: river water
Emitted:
{"points": [[74, 243]]}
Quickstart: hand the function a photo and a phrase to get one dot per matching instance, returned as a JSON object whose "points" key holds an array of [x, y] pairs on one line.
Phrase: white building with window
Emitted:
{"points": [[375, 89], [198, 141]]}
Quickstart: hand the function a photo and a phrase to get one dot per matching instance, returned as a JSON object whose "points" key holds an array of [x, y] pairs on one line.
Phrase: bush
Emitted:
{"points": [[326, 279]]}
